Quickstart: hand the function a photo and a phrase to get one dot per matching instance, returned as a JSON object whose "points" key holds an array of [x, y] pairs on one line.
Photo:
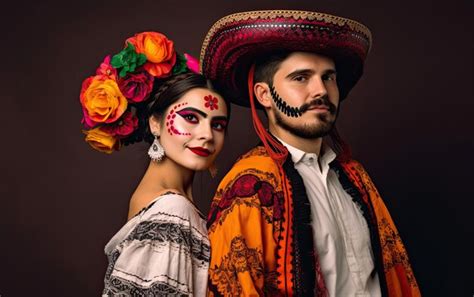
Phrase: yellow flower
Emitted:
{"points": [[102, 100], [102, 141]]}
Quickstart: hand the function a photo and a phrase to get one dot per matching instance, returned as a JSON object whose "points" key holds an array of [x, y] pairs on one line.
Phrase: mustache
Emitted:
{"points": [[319, 102]]}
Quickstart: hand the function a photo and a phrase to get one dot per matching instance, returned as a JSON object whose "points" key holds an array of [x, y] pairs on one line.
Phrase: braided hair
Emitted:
{"points": [[166, 92]]}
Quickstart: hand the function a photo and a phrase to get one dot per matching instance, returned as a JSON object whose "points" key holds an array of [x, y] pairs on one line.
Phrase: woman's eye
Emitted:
{"points": [[189, 117], [218, 126]]}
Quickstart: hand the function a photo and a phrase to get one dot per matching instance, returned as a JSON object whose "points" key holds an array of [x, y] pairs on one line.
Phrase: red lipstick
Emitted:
{"points": [[200, 151]]}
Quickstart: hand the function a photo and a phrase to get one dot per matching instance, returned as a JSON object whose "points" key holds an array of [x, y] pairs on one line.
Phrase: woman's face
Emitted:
{"points": [[192, 130]]}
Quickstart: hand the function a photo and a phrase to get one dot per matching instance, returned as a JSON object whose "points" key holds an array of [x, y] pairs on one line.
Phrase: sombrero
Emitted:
{"points": [[236, 41]]}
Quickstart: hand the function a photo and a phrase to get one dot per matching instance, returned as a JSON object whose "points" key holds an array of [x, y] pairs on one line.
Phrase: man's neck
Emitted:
{"points": [[304, 144]]}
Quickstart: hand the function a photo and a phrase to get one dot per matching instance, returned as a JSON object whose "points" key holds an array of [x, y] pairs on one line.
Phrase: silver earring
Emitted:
{"points": [[156, 151]]}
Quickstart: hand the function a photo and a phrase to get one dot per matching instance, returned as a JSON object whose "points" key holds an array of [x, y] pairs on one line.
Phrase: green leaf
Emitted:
{"points": [[127, 60]]}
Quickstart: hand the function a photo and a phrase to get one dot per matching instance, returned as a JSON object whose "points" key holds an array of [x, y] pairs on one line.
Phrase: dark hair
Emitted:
{"points": [[168, 91], [266, 66]]}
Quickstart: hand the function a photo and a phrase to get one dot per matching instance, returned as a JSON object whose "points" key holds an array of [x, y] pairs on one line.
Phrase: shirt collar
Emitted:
{"points": [[298, 155]]}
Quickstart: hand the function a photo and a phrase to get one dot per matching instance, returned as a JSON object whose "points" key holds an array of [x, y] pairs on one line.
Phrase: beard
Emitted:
{"points": [[315, 130]]}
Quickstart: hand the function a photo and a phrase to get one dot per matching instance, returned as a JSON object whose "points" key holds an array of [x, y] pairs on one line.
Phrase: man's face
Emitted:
{"points": [[305, 95]]}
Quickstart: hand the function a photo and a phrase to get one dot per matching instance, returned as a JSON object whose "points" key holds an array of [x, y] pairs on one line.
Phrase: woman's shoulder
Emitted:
{"points": [[172, 205]]}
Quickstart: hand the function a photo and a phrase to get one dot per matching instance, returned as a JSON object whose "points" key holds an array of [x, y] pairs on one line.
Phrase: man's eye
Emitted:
{"points": [[299, 78], [329, 77]]}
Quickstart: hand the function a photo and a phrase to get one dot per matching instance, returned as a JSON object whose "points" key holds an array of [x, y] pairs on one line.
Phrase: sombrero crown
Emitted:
{"points": [[236, 41]]}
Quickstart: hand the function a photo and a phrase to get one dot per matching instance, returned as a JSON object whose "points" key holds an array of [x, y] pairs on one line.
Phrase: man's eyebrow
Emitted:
{"points": [[300, 72], [202, 113], [297, 72], [330, 71]]}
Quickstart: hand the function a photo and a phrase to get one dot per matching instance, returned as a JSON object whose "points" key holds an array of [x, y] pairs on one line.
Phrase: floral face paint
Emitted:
{"points": [[210, 102]]}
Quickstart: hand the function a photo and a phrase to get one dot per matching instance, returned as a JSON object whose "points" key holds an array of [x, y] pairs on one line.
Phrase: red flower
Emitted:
{"points": [[105, 69], [123, 127], [136, 87], [211, 102]]}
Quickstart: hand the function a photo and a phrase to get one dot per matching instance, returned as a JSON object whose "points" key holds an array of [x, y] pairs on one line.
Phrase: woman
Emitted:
{"points": [[163, 249]]}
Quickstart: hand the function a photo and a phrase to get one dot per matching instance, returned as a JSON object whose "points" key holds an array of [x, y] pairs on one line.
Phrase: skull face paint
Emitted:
{"points": [[170, 121], [192, 134], [283, 106]]}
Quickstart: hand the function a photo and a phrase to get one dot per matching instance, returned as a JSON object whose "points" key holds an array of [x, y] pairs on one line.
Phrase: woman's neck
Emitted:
{"points": [[167, 175], [159, 178]]}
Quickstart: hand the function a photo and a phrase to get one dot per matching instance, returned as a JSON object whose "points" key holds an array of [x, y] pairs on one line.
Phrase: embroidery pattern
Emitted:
{"points": [[123, 287], [391, 245], [160, 232], [171, 232], [240, 259], [260, 193]]}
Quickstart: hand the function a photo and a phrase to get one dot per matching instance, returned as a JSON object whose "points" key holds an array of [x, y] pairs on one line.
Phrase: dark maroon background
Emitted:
{"points": [[408, 120]]}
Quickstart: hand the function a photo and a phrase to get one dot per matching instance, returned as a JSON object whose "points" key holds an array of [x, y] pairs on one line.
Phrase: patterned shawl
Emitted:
{"points": [[261, 237]]}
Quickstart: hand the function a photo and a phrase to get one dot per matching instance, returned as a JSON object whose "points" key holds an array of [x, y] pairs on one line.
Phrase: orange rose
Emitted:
{"points": [[158, 50], [102, 141], [102, 100]]}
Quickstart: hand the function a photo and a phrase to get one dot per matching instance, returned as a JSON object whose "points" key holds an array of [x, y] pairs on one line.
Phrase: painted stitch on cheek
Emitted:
{"points": [[170, 121], [282, 106], [210, 102]]}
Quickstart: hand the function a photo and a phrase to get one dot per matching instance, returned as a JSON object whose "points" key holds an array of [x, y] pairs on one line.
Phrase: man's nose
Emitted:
{"points": [[317, 87]]}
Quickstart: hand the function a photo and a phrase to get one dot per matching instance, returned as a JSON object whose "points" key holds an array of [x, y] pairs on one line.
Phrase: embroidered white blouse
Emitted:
{"points": [[162, 251]]}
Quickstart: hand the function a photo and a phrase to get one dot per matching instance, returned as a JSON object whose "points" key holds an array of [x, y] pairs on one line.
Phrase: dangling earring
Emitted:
{"points": [[213, 170], [156, 151]]}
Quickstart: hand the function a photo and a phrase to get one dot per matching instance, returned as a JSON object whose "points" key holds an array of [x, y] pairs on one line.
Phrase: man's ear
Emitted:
{"points": [[155, 125], [262, 93]]}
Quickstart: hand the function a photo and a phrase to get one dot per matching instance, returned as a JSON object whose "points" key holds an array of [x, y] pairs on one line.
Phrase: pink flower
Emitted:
{"points": [[192, 63], [106, 69], [136, 87], [211, 102], [123, 127]]}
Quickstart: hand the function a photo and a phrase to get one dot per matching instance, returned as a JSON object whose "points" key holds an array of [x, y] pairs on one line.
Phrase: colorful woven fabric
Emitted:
{"points": [[260, 241]]}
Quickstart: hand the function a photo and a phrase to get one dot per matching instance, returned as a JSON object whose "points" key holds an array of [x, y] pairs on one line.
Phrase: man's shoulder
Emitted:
{"points": [[254, 161], [257, 157], [255, 165]]}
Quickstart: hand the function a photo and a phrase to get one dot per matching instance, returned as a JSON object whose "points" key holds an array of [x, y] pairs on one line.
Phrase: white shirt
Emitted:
{"points": [[340, 231], [162, 251]]}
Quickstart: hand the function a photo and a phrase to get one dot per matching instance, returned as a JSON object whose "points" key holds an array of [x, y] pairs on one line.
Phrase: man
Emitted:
{"points": [[296, 215]]}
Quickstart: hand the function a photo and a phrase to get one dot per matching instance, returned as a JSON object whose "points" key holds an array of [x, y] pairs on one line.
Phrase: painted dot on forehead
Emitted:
{"points": [[210, 102]]}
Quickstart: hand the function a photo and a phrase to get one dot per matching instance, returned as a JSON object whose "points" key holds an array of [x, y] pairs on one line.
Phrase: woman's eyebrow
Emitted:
{"points": [[219, 118], [202, 113]]}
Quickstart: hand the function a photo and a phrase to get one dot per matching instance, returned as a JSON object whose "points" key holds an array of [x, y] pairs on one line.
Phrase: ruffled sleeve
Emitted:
{"points": [[166, 253]]}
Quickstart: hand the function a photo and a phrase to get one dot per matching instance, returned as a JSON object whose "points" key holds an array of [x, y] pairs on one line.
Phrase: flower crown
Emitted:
{"points": [[122, 85]]}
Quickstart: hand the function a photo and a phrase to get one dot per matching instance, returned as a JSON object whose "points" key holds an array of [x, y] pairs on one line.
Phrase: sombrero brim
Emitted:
{"points": [[236, 41]]}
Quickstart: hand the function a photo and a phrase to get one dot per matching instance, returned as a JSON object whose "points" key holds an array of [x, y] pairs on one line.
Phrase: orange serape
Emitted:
{"points": [[252, 225]]}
